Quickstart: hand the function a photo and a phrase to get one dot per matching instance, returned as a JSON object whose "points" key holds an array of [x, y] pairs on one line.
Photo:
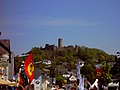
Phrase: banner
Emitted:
{"points": [[98, 72], [29, 67]]}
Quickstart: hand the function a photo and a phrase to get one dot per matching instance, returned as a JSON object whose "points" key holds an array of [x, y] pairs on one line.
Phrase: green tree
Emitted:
{"points": [[59, 80], [89, 70], [36, 51], [105, 73], [18, 61]]}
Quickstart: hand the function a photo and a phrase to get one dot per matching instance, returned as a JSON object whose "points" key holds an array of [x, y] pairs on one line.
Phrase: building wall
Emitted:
{"points": [[11, 67]]}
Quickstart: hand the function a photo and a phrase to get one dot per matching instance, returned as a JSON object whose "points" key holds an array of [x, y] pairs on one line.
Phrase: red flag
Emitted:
{"points": [[98, 72], [29, 67]]}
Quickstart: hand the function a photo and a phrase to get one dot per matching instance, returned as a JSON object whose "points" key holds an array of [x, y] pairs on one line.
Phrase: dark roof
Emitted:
{"points": [[6, 43]]}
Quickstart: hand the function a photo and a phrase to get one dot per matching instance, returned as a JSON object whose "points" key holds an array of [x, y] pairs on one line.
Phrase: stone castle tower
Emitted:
{"points": [[60, 43]]}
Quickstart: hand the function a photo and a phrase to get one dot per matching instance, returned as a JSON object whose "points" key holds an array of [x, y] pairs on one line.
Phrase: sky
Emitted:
{"points": [[34, 23]]}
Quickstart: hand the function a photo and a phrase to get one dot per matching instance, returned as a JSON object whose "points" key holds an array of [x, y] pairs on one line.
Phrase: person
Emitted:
{"points": [[95, 88], [57, 87], [29, 87], [72, 88], [4, 87], [20, 87]]}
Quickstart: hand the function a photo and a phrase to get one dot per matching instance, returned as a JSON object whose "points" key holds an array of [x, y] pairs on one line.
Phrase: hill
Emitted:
{"points": [[68, 57]]}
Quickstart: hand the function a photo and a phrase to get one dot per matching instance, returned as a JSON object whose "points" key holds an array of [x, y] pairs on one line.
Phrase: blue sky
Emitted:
{"points": [[90, 23]]}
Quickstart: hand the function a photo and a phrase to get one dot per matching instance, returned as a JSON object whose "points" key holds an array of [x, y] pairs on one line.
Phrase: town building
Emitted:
{"points": [[6, 60]]}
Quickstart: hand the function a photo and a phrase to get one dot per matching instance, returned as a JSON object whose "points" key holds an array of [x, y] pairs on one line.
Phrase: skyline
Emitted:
{"points": [[94, 24]]}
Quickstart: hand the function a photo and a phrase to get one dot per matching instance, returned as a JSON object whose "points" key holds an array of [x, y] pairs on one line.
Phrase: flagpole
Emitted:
{"points": [[80, 78]]}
